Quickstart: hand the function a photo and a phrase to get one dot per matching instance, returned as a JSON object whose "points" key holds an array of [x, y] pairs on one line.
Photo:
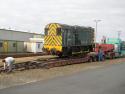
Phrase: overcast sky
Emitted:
{"points": [[33, 15]]}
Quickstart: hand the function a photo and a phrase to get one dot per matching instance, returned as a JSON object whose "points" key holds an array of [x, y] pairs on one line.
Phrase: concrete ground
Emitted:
{"points": [[23, 77], [106, 79]]}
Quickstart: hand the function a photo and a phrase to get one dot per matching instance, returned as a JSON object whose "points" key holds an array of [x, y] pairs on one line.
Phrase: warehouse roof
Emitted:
{"points": [[17, 35]]}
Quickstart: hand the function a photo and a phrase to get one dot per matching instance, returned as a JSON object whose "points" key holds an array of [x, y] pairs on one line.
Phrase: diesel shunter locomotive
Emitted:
{"points": [[63, 40]]}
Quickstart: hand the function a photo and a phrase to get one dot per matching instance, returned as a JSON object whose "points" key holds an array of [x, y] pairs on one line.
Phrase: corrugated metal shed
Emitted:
{"points": [[16, 35]]}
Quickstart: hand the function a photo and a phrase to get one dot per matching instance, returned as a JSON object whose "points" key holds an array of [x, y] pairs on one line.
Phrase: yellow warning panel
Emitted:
{"points": [[5, 46]]}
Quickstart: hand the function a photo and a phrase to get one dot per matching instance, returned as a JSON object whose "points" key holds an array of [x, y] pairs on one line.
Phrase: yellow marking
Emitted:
{"points": [[60, 39], [55, 26], [52, 25], [58, 48], [46, 39], [57, 40], [50, 43], [52, 40], [52, 32], [49, 40], [5, 46]]}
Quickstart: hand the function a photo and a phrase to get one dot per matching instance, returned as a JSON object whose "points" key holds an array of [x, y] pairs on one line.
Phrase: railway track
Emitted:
{"points": [[50, 63]]}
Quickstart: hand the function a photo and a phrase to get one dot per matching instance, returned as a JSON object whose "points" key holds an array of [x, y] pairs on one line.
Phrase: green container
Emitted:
{"points": [[123, 48], [117, 43], [113, 41]]}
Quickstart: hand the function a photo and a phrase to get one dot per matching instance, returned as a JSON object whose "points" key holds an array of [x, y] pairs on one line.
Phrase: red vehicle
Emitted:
{"points": [[108, 50]]}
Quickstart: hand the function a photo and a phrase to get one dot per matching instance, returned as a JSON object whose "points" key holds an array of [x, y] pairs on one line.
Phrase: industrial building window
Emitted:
{"points": [[46, 31], [39, 45], [58, 31], [14, 44], [1, 44]]}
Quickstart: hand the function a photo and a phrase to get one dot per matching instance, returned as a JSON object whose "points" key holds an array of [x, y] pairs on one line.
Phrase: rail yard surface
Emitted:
{"points": [[33, 75], [102, 78], [25, 59]]}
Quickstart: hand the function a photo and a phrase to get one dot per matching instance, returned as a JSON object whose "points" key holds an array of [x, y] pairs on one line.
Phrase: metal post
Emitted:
{"points": [[119, 34], [96, 22]]}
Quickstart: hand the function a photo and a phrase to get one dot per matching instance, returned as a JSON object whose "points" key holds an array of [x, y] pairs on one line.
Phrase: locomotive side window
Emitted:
{"points": [[1, 44], [46, 31], [58, 31], [14, 44]]}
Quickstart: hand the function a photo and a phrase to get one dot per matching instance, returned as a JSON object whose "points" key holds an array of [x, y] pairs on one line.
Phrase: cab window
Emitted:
{"points": [[58, 31], [46, 31]]}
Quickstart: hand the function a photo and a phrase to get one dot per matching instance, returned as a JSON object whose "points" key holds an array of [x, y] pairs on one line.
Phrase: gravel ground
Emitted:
{"points": [[28, 76]]}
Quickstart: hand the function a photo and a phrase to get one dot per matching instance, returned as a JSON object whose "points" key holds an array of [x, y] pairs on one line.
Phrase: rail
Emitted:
{"points": [[50, 63]]}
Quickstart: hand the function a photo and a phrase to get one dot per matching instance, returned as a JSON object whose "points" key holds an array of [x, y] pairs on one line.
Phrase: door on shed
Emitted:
{"points": [[20, 47], [12, 46], [5, 46]]}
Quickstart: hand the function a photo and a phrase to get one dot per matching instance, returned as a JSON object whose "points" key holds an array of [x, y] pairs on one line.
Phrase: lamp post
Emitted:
{"points": [[119, 34], [96, 22]]}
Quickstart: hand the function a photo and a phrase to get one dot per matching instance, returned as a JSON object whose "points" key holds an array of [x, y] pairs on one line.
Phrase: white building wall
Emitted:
{"points": [[23, 40], [16, 35], [35, 45], [39, 47]]}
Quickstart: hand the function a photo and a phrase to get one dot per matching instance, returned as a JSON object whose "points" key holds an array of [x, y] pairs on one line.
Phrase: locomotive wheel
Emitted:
{"points": [[53, 51], [60, 55]]}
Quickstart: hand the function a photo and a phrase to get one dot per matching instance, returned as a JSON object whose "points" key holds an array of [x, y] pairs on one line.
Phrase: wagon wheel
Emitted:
{"points": [[90, 59], [103, 58], [94, 59]]}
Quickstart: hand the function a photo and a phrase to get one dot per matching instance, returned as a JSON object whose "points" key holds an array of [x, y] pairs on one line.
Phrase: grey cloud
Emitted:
{"points": [[33, 15]]}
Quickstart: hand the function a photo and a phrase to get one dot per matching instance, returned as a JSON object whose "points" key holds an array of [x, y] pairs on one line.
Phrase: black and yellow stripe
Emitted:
{"points": [[52, 40]]}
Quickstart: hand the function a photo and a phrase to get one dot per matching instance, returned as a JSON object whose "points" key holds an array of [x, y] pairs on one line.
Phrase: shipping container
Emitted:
{"points": [[123, 48], [113, 41], [116, 42]]}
